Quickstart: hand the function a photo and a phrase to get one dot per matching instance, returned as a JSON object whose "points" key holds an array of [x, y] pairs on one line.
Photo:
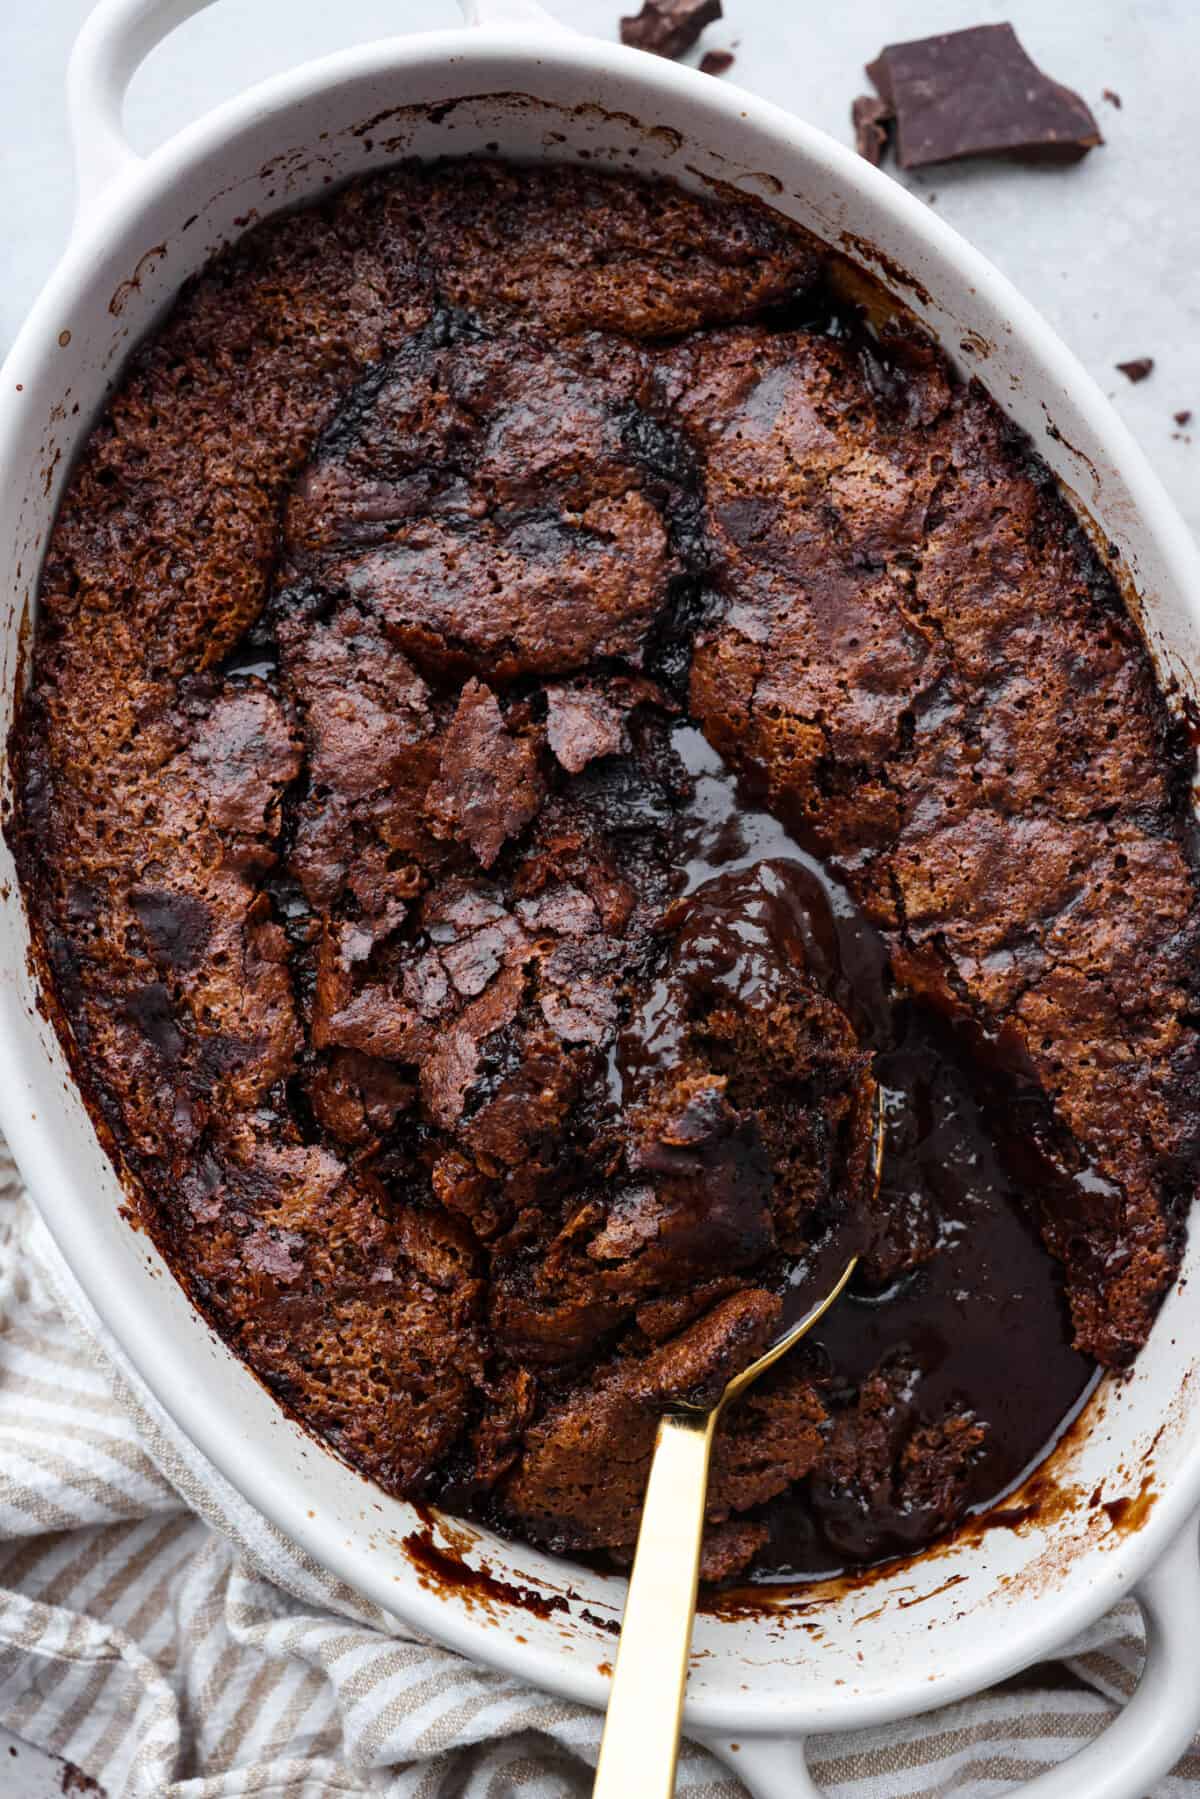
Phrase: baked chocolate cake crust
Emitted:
{"points": [[536, 709]]}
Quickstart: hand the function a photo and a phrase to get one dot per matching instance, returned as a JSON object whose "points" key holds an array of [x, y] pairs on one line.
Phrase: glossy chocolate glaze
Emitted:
{"points": [[982, 1323]]}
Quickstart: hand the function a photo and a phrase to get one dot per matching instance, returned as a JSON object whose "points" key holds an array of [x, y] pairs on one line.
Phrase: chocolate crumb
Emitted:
{"points": [[669, 27], [74, 1780], [1184, 417], [871, 118], [977, 93], [489, 785], [1114, 99], [716, 62], [1138, 369], [581, 726]]}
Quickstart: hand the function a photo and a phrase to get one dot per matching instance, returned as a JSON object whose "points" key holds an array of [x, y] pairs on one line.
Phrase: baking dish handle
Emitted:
{"points": [[118, 35], [1143, 1742], [510, 12]]}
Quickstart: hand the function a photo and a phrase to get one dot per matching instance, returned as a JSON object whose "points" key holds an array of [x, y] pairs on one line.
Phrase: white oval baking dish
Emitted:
{"points": [[964, 1616]]}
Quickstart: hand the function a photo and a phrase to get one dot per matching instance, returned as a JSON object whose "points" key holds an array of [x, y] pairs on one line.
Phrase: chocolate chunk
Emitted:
{"points": [[1113, 99], [716, 62], [871, 119], [176, 926], [669, 27], [1184, 417], [151, 1010], [1138, 369], [490, 785], [977, 93]]}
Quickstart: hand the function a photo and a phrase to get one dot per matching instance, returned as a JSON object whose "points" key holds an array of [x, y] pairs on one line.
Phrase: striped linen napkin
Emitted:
{"points": [[159, 1634]]}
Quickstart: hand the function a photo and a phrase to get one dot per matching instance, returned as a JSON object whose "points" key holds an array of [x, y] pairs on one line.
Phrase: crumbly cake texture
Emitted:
{"points": [[349, 824]]}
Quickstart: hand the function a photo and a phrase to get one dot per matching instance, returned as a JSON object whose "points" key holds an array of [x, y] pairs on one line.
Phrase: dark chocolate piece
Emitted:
{"points": [[977, 93], [1138, 369], [669, 27], [1114, 99], [716, 62], [1184, 417], [871, 119]]}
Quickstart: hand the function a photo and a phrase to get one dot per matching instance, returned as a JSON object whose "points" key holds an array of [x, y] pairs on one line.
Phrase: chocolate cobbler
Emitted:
{"points": [[540, 711]]}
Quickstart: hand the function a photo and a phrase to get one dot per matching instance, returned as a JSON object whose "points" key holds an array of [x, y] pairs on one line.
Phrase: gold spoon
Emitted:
{"points": [[640, 1745]]}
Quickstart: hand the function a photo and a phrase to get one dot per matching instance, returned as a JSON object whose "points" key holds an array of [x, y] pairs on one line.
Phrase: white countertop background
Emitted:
{"points": [[1109, 249]]}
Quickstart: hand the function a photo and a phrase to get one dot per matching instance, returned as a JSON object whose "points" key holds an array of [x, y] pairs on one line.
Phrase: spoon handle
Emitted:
{"points": [[640, 1746]]}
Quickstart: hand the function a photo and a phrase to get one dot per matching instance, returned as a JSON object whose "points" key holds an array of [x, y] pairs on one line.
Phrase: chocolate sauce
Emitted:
{"points": [[981, 1325]]}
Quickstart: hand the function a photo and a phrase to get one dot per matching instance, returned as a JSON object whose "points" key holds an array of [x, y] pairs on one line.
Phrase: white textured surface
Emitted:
{"points": [[1109, 250]]}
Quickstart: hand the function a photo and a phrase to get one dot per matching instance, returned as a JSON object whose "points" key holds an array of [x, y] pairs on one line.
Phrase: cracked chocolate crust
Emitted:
{"points": [[419, 562]]}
